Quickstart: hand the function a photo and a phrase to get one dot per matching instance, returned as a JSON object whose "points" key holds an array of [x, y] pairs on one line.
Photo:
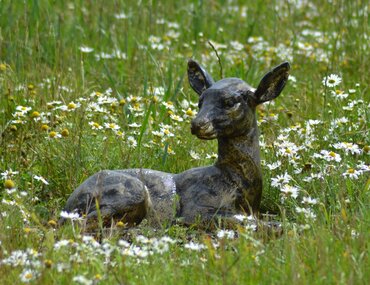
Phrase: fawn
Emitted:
{"points": [[227, 112]]}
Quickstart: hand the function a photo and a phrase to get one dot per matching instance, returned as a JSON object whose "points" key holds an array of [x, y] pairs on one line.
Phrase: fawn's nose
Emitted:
{"points": [[199, 125]]}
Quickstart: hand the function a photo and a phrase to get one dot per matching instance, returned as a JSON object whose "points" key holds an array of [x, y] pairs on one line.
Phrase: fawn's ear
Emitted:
{"points": [[272, 83], [199, 78]]}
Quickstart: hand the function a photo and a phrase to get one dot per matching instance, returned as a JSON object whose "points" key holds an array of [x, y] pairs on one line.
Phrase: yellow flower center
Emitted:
{"points": [[71, 106], [65, 133], [189, 112], [52, 134], [351, 170], [9, 184], [35, 114], [48, 263], [52, 223], [120, 224], [98, 276], [96, 125], [332, 154], [28, 276]]}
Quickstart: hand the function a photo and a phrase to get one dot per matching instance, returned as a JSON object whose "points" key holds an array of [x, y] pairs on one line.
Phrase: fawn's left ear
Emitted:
{"points": [[272, 83], [199, 78]]}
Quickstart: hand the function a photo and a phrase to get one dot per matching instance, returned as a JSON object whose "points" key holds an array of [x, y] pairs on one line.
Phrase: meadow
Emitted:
{"points": [[92, 85]]}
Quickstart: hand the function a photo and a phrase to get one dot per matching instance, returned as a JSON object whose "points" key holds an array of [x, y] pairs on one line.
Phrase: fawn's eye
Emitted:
{"points": [[229, 102]]}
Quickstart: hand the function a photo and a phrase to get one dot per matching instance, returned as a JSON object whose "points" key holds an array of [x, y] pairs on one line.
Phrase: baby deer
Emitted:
{"points": [[227, 112]]}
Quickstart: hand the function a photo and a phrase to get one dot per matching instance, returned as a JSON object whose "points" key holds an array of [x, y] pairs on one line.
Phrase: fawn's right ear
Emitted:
{"points": [[272, 83], [199, 78]]}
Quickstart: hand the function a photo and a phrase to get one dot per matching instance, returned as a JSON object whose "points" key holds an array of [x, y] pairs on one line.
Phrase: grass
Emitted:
{"points": [[45, 57]]}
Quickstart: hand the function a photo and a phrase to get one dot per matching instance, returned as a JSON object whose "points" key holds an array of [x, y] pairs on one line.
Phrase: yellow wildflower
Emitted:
{"points": [[35, 114], [65, 133], [52, 223], [53, 134], [48, 263], [9, 184]]}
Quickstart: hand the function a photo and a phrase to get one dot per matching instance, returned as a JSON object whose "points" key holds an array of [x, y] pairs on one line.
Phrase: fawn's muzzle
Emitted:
{"points": [[203, 129]]}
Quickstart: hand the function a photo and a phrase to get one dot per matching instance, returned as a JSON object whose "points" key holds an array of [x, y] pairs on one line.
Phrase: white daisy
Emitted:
{"points": [[348, 147], [352, 173], [131, 142], [273, 165], [308, 213], [40, 178], [290, 191], [228, 234], [309, 201], [332, 80], [194, 155], [72, 216], [280, 180], [194, 246], [112, 126], [28, 275], [328, 155], [339, 94], [86, 49], [176, 118], [212, 156], [95, 126], [121, 15]]}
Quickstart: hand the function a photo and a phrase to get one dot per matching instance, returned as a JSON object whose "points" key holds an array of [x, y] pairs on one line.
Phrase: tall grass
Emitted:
{"points": [[45, 56]]}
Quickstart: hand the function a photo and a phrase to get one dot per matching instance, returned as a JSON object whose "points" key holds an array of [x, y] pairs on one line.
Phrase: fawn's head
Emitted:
{"points": [[227, 107]]}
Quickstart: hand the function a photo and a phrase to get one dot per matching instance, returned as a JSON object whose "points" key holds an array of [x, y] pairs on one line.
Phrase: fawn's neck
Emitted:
{"points": [[241, 155]]}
